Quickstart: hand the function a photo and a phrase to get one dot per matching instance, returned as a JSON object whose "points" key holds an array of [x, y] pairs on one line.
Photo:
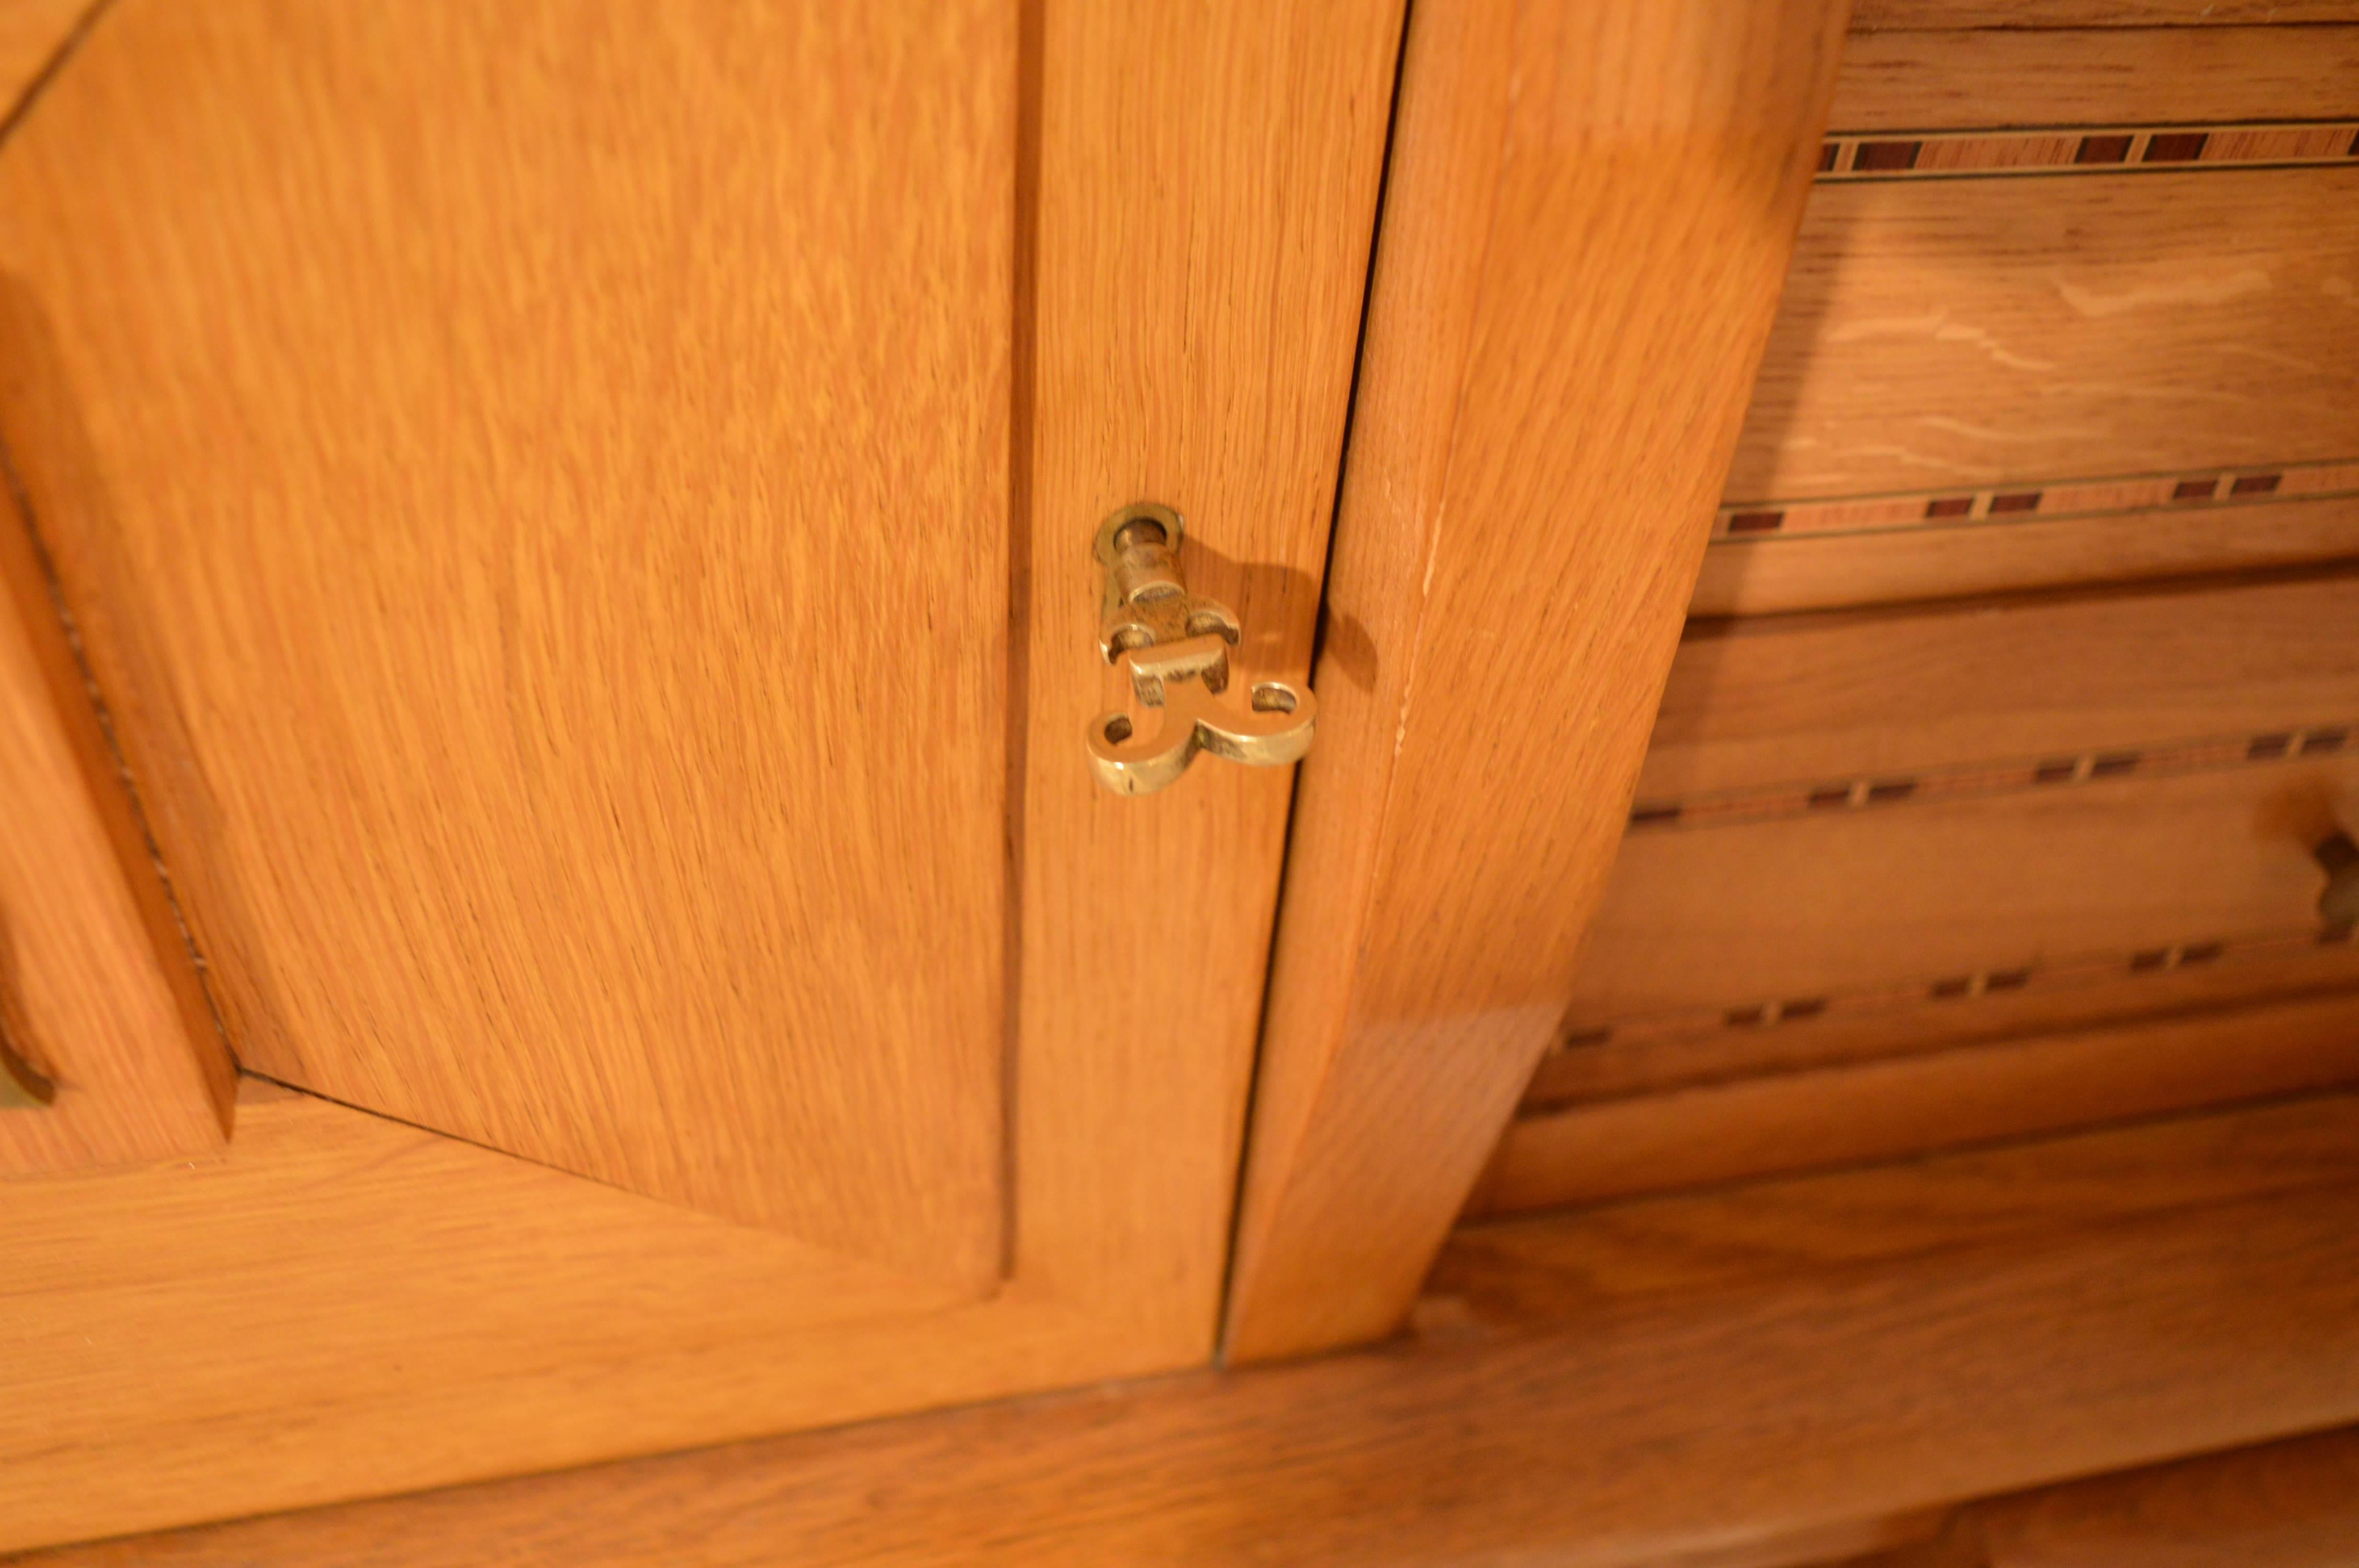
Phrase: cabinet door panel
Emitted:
{"points": [[537, 478], [570, 678]]}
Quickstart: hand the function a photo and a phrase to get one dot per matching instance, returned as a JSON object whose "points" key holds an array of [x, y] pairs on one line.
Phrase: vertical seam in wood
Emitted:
{"points": [[1318, 646], [1023, 321], [1282, 1164]]}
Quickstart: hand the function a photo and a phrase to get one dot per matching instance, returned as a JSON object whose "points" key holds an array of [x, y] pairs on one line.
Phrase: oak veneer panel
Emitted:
{"points": [[31, 32], [97, 993], [2115, 76], [340, 1305], [1207, 204], [1971, 331], [1889, 1110], [1871, 16], [481, 445], [1800, 909], [1842, 571], [1514, 374], [1658, 1380], [391, 1327], [1850, 695]]}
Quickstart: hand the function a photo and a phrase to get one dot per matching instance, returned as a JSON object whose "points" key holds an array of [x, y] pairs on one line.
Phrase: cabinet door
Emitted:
{"points": [[582, 516]]}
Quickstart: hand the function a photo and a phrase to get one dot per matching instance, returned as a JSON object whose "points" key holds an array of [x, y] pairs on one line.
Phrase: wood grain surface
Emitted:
{"points": [[1968, 80], [1872, 16], [485, 452], [1921, 896], [1661, 1381], [1967, 331], [1708, 1049], [1207, 199], [1839, 697], [340, 1313], [97, 992], [1513, 371], [2003, 555], [2284, 1504], [340, 1305], [31, 31], [1825, 1224], [1919, 1103]]}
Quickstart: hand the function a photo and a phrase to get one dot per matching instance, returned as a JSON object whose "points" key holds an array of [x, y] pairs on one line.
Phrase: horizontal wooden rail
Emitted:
{"points": [[1700, 1374]]}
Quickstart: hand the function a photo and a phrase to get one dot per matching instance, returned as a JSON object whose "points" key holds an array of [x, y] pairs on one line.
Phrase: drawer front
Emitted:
{"points": [[2071, 304], [1794, 918], [1877, 813], [1900, 880]]}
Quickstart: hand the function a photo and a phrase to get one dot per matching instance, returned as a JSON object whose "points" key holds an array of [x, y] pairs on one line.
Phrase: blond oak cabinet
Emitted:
{"points": [[627, 631], [578, 524], [579, 519]]}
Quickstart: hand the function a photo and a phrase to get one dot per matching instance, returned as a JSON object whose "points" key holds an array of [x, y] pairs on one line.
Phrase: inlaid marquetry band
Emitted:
{"points": [[1758, 522], [2076, 149], [1944, 991], [1977, 780]]}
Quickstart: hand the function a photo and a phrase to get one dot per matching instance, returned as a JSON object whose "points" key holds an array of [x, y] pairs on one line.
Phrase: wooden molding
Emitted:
{"points": [[1656, 1382], [1587, 224], [99, 995], [1907, 1105]]}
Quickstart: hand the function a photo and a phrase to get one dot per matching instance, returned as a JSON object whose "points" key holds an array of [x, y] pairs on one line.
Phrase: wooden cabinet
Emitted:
{"points": [[1997, 782], [582, 518], [554, 906]]}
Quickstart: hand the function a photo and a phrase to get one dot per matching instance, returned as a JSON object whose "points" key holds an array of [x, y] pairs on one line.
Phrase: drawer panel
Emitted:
{"points": [[1765, 717], [2050, 322], [1799, 917], [1964, 332], [1965, 78]]}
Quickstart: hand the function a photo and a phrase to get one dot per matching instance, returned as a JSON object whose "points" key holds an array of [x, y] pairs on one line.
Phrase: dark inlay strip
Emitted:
{"points": [[1886, 157], [1977, 780], [2176, 147], [2082, 149], [2088, 969], [2058, 499]]}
